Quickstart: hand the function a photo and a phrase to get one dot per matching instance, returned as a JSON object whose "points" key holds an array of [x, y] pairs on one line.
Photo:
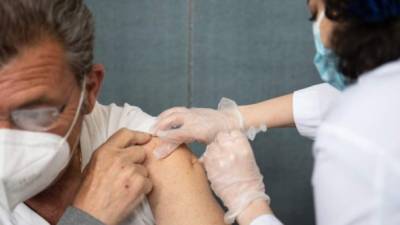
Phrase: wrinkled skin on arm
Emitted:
{"points": [[181, 194]]}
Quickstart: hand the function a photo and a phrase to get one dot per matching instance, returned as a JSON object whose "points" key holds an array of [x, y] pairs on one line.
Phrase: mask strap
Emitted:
{"points": [[319, 21], [77, 111]]}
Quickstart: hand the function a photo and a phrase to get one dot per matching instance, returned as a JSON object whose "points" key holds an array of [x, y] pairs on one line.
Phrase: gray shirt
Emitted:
{"points": [[74, 216]]}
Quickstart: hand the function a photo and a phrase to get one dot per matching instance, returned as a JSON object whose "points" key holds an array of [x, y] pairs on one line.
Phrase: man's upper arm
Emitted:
{"points": [[181, 193]]}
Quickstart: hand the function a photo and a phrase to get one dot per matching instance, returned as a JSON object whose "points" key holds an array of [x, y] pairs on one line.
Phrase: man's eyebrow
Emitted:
{"points": [[43, 100]]}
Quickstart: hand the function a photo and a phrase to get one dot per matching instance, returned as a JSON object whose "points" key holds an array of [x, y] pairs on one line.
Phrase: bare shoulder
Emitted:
{"points": [[181, 192]]}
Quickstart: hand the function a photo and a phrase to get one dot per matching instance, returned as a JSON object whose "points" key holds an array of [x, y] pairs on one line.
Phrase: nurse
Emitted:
{"points": [[354, 118]]}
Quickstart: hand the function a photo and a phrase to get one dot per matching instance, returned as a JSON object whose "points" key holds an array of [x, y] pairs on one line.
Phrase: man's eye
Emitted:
{"points": [[40, 119]]}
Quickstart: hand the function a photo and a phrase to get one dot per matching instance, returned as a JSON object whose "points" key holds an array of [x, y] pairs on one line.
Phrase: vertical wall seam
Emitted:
{"points": [[190, 54]]}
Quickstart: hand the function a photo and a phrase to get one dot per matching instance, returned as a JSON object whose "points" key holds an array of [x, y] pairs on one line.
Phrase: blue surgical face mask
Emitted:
{"points": [[326, 61]]}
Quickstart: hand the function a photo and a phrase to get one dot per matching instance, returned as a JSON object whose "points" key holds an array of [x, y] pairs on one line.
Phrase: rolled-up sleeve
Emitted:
{"points": [[310, 105], [73, 216]]}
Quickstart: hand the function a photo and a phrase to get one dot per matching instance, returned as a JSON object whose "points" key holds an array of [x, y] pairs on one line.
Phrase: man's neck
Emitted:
{"points": [[52, 202]]}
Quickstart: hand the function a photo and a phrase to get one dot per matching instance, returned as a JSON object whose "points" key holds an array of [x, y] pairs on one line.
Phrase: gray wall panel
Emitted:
{"points": [[144, 46], [254, 50]]}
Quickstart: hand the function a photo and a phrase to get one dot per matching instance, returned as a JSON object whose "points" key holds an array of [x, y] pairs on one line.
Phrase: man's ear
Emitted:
{"points": [[94, 80]]}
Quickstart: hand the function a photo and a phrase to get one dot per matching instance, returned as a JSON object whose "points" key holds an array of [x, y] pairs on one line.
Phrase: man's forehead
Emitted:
{"points": [[37, 72], [45, 55]]}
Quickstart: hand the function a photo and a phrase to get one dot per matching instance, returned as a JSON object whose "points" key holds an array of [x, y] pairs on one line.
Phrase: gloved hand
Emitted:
{"points": [[233, 173], [181, 125]]}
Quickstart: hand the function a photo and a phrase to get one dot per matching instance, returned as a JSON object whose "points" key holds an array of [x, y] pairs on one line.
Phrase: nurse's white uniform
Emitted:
{"points": [[356, 176]]}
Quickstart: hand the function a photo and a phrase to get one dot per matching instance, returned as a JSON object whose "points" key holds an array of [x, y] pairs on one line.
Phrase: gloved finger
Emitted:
{"points": [[164, 115], [213, 152], [171, 111], [223, 137], [165, 149], [239, 139], [237, 134], [224, 140], [214, 164], [233, 145], [174, 120], [178, 136]]}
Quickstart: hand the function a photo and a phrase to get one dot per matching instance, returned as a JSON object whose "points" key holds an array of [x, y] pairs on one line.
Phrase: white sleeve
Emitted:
{"points": [[267, 219], [355, 180], [310, 105]]}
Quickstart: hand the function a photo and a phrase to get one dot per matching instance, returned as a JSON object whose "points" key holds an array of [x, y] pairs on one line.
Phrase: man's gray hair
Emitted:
{"points": [[24, 23]]}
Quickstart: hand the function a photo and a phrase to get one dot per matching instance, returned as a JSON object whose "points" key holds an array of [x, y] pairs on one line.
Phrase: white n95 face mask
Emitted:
{"points": [[31, 161]]}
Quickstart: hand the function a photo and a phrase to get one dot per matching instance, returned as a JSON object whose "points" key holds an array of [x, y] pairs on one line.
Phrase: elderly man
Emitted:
{"points": [[61, 151]]}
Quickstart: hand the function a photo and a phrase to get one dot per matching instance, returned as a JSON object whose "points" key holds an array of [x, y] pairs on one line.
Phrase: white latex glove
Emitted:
{"points": [[233, 173], [181, 125]]}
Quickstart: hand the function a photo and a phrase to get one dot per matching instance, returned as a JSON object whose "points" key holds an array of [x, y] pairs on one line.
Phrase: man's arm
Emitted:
{"points": [[181, 193]]}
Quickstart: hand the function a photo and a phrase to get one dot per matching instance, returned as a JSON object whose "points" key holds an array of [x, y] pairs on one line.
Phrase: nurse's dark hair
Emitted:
{"points": [[367, 35], [24, 23]]}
